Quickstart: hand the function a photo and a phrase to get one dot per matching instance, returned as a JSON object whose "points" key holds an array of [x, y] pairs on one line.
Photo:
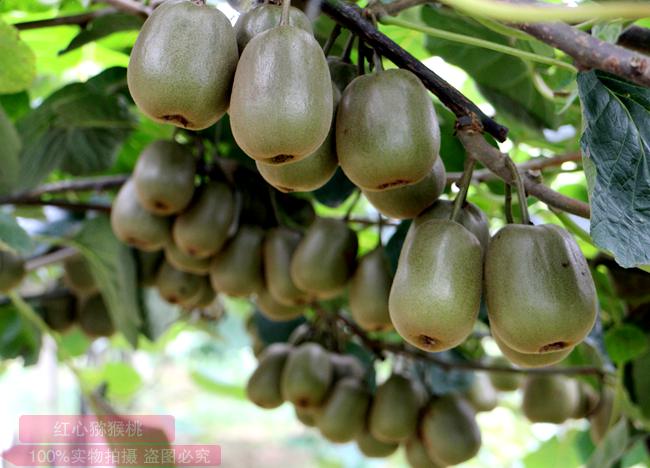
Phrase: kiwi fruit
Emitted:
{"points": [[237, 269], [603, 416], [281, 104], [344, 413], [78, 276], [202, 230], [387, 132], [263, 387], [274, 310], [470, 216], [394, 411], [163, 77], [309, 173], [12, 270], [587, 402], [369, 290], [203, 297], [346, 365], [307, 375], [325, 258], [541, 271], [417, 456], [436, 293], [307, 416], [164, 177], [183, 262], [550, 398], [59, 313], [481, 394], [280, 243], [342, 72], [134, 225], [94, 318], [406, 202], [372, 447], [530, 360], [264, 17], [176, 286], [504, 381], [449, 430]]}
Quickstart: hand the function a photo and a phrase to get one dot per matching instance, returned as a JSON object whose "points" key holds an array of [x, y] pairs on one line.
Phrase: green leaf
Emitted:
{"points": [[17, 61], [607, 31], [559, 451], [12, 236], [121, 379], [113, 268], [616, 140], [18, 337], [218, 388], [625, 342], [104, 26], [336, 191], [9, 151], [638, 383], [612, 447], [78, 129], [506, 81]]}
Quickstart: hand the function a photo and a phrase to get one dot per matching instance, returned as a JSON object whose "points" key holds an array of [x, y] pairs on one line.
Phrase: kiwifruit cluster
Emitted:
{"points": [[82, 304], [12, 270]]}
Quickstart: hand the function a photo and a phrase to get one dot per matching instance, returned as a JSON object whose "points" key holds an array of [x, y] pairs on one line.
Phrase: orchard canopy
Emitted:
{"points": [[326, 232]]}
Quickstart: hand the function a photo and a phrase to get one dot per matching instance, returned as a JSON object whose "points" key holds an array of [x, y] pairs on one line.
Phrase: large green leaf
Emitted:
{"points": [[78, 129], [12, 236], [506, 81], [611, 448], [104, 26], [616, 150], [625, 342], [113, 268], [18, 337], [9, 151], [17, 61]]}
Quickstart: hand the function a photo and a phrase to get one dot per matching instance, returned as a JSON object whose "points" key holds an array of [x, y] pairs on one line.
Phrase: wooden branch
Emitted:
{"points": [[351, 18], [90, 184], [50, 258], [63, 204], [476, 146]]}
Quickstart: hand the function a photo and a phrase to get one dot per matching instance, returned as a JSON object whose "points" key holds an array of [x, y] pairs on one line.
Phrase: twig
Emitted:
{"points": [[350, 17], [94, 184], [50, 258], [81, 20], [463, 185], [476, 145], [63, 204]]}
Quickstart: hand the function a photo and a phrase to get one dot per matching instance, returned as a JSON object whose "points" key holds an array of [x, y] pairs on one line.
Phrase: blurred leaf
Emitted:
{"points": [[293, 212], [506, 81], [336, 191], [439, 381], [557, 451], [12, 236], [15, 105], [394, 245], [612, 447], [113, 268], [78, 129], [73, 343], [104, 26], [452, 151], [18, 338], [159, 315], [9, 150], [17, 61], [607, 31], [625, 342], [616, 140], [274, 332], [121, 379], [216, 387], [637, 382]]}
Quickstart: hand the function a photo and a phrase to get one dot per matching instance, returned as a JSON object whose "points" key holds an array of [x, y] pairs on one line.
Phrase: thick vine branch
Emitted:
{"points": [[351, 18]]}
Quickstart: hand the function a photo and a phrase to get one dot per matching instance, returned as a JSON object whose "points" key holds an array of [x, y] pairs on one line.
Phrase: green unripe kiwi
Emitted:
{"points": [[481, 394], [202, 230], [344, 413], [309, 173], [387, 132], [470, 216], [202, 298], [280, 243], [78, 276], [164, 177], [12, 270], [325, 258], [436, 292], [539, 290], [342, 72], [504, 381], [588, 401], [346, 365], [408, 201], [531, 360], [373, 448], [237, 269], [307, 375], [59, 313], [307, 416], [263, 387], [274, 310], [164, 79], [281, 105], [186, 263], [134, 225], [550, 398], [394, 411], [94, 317], [417, 456], [176, 286], [369, 290], [449, 431], [264, 17]]}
